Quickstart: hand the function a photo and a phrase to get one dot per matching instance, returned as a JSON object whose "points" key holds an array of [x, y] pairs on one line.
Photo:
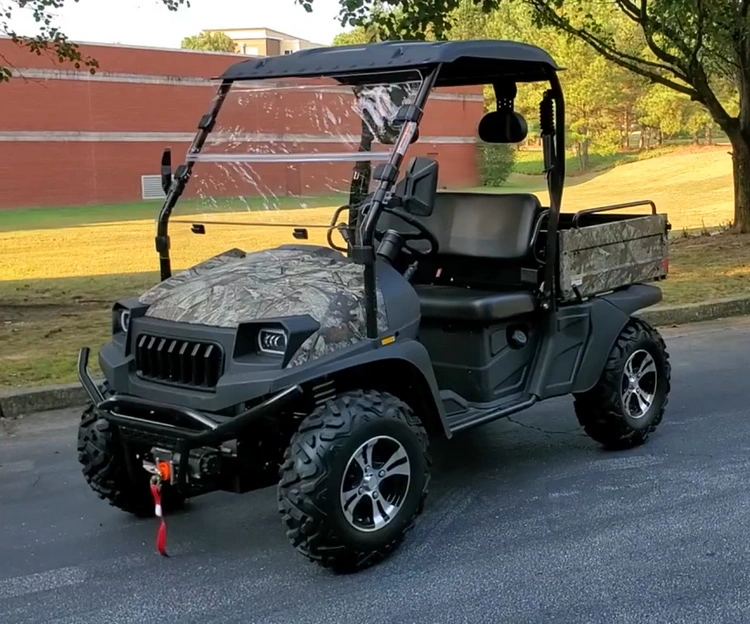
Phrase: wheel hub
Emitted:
{"points": [[370, 482]]}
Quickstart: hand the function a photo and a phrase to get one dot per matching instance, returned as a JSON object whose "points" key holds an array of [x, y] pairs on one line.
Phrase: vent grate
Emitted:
{"points": [[180, 362], [151, 187], [323, 392]]}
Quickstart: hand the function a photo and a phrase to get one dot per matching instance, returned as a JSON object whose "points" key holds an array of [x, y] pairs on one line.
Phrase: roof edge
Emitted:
{"points": [[387, 56], [125, 46]]}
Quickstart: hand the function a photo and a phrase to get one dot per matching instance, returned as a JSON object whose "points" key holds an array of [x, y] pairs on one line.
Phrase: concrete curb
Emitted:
{"points": [[667, 316], [29, 401]]}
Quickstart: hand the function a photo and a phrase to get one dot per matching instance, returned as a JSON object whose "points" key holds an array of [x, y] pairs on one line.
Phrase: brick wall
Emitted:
{"points": [[68, 138]]}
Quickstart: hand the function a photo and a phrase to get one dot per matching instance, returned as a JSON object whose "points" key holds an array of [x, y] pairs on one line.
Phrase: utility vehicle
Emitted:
{"points": [[327, 368]]}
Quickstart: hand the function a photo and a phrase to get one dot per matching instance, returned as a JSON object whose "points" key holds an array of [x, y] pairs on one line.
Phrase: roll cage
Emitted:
{"points": [[502, 64]]}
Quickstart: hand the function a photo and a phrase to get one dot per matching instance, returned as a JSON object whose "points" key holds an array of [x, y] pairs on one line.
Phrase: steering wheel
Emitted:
{"points": [[423, 234]]}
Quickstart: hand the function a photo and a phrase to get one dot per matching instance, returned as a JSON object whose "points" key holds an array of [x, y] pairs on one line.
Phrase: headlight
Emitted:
{"points": [[272, 341], [125, 320]]}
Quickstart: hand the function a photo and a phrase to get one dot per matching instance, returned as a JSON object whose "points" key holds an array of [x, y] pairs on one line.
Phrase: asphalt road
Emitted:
{"points": [[527, 521]]}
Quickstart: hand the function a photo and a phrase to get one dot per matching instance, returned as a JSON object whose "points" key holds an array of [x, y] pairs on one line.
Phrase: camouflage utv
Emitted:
{"points": [[325, 367]]}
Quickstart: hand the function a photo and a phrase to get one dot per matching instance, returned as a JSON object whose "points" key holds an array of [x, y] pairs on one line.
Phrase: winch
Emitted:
{"points": [[202, 464]]}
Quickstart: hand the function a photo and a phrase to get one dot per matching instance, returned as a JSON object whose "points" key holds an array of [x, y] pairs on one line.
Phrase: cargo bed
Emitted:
{"points": [[600, 251]]}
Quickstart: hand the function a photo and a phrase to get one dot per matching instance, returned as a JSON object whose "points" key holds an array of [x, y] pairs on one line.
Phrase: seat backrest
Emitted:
{"points": [[478, 225]]}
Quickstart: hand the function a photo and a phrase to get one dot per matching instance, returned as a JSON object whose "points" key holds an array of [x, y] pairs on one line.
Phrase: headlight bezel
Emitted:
{"points": [[124, 318], [272, 341]]}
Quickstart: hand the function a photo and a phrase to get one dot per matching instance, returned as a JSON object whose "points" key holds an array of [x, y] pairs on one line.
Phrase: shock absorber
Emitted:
{"points": [[547, 125]]}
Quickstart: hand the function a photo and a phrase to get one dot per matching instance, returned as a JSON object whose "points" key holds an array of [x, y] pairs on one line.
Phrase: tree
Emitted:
{"points": [[356, 36], [209, 42], [697, 119], [695, 47], [662, 109], [50, 39]]}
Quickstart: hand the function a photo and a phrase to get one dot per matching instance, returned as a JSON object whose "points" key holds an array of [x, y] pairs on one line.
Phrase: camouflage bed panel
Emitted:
{"points": [[600, 258]]}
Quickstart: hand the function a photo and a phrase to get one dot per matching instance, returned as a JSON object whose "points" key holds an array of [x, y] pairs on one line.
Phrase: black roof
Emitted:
{"points": [[466, 62]]}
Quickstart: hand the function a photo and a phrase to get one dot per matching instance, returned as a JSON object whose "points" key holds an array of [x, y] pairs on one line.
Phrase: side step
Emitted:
{"points": [[462, 415]]}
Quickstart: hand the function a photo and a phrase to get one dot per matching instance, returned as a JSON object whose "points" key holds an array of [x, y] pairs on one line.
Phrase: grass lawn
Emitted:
{"points": [[61, 269], [531, 161], [73, 216], [43, 322]]}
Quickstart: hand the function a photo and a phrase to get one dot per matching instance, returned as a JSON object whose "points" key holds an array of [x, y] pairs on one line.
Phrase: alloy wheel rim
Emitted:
{"points": [[639, 384], [375, 484]]}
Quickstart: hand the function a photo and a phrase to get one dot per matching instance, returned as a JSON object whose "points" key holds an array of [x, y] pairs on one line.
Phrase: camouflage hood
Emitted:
{"points": [[235, 287]]}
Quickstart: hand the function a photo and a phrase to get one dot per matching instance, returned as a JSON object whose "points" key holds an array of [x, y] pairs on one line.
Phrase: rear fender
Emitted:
{"points": [[609, 315]]}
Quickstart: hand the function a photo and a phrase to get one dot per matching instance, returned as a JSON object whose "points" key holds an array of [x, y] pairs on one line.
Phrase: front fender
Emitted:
{"points": [[403, 357]]}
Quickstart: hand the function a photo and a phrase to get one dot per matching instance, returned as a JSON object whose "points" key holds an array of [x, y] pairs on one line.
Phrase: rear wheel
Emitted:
{"points": [[354, 479], [105, 470], [628, 402]]}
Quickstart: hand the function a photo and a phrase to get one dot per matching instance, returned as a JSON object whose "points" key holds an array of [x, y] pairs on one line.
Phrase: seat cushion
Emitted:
{"points": [[453, 302]]}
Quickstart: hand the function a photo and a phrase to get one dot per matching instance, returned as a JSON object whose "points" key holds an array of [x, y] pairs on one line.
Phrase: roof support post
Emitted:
{"points": [[362, 250], [181, 177]]}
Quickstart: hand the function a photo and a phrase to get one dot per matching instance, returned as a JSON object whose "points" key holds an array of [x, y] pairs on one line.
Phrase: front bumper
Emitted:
{"points": [[189, 428]]}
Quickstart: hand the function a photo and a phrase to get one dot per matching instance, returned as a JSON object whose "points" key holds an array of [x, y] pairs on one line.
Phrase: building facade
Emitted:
{"points": [[264, 41], [68, 138]]}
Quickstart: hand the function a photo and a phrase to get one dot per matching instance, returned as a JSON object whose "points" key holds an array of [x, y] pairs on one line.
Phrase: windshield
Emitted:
{"points": [[285, 155]]}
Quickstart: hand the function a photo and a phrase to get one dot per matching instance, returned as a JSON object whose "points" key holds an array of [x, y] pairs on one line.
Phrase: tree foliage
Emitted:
{"points": [[49, 40], [495, 163], [355, 36], [209, 42], [605, 102]]}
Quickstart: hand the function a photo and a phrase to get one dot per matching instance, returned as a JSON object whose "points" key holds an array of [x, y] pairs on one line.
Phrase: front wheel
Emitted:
{"points": [[354, 479], [628, 402]]}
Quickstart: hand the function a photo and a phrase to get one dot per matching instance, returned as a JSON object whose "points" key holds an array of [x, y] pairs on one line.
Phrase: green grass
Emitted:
{"points": [[44, 218], [45, 318], [531, 162], [44, 322], [70, 216]]}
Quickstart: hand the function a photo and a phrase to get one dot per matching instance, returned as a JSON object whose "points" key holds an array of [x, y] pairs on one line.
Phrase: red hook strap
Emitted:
{"points": [[161, 535]]}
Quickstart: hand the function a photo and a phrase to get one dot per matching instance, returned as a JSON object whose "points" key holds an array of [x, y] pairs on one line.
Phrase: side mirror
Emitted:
{"points": [[166, 170], [420, 186]]}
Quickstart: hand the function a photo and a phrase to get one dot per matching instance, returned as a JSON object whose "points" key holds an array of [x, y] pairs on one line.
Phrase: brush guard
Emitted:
{"points": [[200, 430]]}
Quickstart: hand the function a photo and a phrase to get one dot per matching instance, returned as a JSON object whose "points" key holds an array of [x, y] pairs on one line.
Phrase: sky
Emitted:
{"points": [[150, 23]]}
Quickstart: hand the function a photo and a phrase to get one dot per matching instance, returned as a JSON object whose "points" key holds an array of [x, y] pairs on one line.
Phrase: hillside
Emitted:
{"points": [[693, 186]]}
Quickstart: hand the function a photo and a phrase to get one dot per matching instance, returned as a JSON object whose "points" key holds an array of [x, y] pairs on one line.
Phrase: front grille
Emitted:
{"points": [[181, 362]]}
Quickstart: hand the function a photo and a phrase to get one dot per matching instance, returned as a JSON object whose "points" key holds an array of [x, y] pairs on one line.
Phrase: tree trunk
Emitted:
{"points": [[709, 136], [741, 171], [586, 161], [626, 137]]}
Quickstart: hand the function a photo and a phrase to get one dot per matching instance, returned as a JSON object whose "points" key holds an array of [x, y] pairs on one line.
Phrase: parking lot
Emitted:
{"points": [[527, 521]]}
